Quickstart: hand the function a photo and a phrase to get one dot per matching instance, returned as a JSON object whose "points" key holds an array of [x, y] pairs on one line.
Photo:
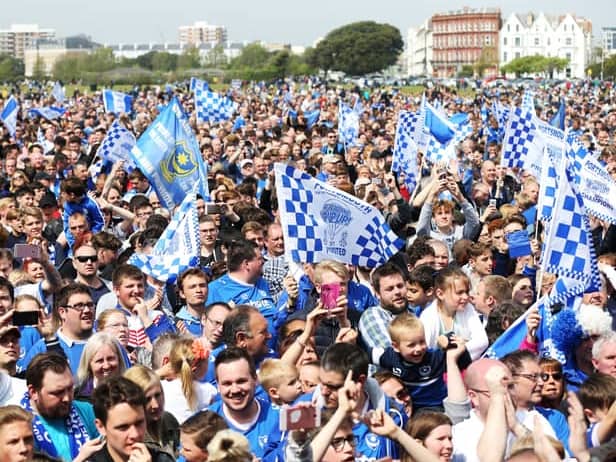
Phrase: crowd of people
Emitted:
{"points": [[101, 362]]}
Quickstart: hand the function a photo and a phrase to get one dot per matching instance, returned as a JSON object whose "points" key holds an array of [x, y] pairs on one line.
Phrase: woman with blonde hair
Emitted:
{"points": [[229, 446], [161, 427], [101, 358], [188, 362]]}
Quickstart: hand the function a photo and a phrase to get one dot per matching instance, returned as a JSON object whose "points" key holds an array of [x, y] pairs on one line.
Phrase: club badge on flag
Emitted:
{"points": [[177, 249], [168, 155], [321, 222], [117, 102]]}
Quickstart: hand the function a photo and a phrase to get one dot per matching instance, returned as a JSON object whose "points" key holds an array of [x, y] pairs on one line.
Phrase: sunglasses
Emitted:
{"points": [[545, 376], [86, 258]]}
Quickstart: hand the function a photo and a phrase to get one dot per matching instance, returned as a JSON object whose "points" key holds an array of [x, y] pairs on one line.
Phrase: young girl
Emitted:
{"points": [[451, 313], [432, 430], [185, 394]]}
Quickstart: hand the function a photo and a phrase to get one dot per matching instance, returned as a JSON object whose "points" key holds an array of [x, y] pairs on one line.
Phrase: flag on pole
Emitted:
{"points": [[322, 222], [568, 251], [212, 107], [117, 146], [437, 124], [168, 155], [348, 124], [177, 249], [117, 102], [405, 151], [49, 112], [9, 114], [558, 120], [58, 92], [523, 144]]}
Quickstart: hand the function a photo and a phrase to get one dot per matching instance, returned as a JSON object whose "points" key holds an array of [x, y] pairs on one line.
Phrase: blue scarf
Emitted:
{"points": [[77, 432]]}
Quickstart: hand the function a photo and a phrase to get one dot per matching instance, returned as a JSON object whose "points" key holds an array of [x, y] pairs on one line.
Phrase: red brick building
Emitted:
{"points": [[460, 37]]}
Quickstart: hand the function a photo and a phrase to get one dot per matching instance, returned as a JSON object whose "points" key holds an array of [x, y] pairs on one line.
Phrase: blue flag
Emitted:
{"points": [[58, 93], [9, 114], [177, 249], [49, 113], [117, 146], [168, 155], [312, 117], [558, 120], [437, 124], [319, 222], [117, 102], [348, 124]]}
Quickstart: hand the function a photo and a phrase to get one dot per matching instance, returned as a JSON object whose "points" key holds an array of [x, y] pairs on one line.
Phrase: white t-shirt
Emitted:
{"points": [[176, 403]]}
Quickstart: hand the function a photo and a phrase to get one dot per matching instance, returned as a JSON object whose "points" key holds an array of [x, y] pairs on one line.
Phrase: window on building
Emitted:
{"points": [[517, 54], [568, 56], [505, 41], [508, 27], [537, 41], [517, 41], [505, 56], [568, 41], [517, 28]]}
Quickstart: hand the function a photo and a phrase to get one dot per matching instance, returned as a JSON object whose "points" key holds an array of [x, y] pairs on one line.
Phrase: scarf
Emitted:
{"points": [[77, 432]]}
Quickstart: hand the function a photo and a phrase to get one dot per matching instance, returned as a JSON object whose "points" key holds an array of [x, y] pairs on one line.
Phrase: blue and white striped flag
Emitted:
{"points": [[177, 249], [168, 155], [405, 150], [49, 112], [595, 184], [320, 222], [58, 92], [568, 250], [9, 114], [117, 146], [510, 340], [212, 107], [117, 102], [348, 125]]}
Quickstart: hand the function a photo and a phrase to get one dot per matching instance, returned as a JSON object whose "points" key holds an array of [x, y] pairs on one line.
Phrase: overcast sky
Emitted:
{"points": [[295, 22]]}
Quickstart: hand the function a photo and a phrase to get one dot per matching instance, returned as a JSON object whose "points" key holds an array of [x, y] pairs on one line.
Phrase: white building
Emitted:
{"points": [[134, 50], [202, 32], [15, 40], [608, 44], [419, 50], [566, 36], [47, 53]]}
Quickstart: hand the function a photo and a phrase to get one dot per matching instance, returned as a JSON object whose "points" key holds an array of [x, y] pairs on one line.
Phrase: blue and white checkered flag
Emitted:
{"points": [[9, 115], [117, 146], [348, 125], [438, 152], [212, 107], [117, 102], [548, 186], [405, 150], [322, 222], [58, 92], [528, 103], [568, 250], [177, 249], [523, 144], [595, 184], [49, 112], [198, 84]]}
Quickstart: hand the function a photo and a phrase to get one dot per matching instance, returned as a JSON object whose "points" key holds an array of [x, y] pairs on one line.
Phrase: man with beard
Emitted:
{"points": [[253, 417], [62, 427], [75, 310], [390, 287]]}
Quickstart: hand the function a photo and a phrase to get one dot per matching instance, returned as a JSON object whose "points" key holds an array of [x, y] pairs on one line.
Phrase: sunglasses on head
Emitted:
{"points": [[86, 258]]}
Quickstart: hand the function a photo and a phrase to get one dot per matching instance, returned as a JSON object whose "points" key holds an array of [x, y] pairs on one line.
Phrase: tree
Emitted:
{"points": [[252, 56], [609, 68], [536, 64], [216, 57], [11, 68], [488, 59], [164, 62], [358, 48], [466, 71], [39, 71], [190, 59], [552, 64]]}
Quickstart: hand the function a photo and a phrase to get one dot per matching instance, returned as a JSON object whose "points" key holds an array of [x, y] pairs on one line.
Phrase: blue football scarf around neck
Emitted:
{"points": [[77, 432]]}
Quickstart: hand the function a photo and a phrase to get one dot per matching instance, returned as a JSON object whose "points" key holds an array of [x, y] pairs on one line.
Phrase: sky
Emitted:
{"points": [[275, 21]]}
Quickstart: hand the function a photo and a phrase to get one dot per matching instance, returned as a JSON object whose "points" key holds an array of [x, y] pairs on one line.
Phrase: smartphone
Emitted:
{"points": [[213, 209], [25, 318], [299, 417], [329, 295], [492, 203], [26, 251], [442, 174], [377, 181]]}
